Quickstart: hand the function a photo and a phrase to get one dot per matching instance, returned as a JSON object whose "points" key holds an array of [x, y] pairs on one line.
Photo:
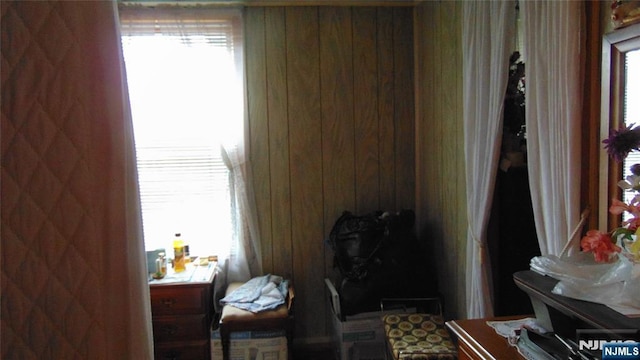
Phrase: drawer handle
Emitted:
{"points": [[170, 329], [168, 302]]}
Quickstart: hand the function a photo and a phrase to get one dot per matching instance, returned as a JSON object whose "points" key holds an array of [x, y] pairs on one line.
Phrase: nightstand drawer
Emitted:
{"points": [[189, 300], [190, 351], [178, 328]]}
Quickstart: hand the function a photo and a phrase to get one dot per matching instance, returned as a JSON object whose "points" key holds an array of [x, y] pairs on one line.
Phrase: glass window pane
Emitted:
{"points": [[179, 97], [631, 110]]}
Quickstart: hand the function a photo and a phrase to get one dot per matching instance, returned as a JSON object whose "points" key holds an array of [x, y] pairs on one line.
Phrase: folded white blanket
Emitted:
{"points": [[259, 294]]}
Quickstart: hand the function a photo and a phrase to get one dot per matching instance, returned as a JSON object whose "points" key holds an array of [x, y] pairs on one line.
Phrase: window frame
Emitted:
{"points": [[614, 47]]}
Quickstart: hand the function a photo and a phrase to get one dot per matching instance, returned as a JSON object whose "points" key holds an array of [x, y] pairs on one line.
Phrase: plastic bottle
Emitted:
{"points": [[178, 254]]}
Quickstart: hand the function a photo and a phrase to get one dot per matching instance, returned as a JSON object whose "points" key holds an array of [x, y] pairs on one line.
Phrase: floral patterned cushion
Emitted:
{"points": [[418, 337]]}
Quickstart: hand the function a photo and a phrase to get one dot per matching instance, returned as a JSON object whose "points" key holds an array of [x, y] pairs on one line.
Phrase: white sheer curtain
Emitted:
{"points": [[487, 35], [552, 54], [244, 258]]}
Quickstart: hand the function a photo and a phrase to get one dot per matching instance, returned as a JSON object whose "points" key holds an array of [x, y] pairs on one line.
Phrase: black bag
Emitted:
{"points": [[375, 257], [355, 241]]}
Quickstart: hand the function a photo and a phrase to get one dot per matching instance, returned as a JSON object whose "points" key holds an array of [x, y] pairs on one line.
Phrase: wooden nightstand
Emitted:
{"points": [[182, 310]]}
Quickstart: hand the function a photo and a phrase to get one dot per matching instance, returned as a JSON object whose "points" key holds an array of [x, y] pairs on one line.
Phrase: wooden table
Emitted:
{"points": [[479, 341]]}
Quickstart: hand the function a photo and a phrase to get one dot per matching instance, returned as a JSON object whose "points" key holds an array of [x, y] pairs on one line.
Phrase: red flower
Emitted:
{"points": [[600, 244]]}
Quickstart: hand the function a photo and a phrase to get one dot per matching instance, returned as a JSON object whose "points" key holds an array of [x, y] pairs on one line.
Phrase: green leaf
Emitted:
{"points": [[624, 233]]}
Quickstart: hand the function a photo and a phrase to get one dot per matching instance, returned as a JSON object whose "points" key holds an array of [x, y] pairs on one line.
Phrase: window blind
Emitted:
{"points": [[181, 64], [631, 112]]}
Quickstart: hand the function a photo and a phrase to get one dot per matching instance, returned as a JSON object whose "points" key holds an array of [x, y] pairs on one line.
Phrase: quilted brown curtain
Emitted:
{"points": [[73, 265]]}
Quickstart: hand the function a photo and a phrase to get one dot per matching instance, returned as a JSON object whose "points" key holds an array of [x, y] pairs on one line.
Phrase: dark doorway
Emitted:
{"points": [[512, 234]]}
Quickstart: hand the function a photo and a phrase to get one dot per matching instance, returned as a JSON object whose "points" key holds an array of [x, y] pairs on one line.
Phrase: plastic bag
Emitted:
{"points": [[582, 270], [616, 284]]}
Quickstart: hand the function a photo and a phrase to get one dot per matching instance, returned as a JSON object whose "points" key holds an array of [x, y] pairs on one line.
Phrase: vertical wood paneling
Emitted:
{"points": [[328, 110], [276, 65], [453, 150], [436, 126], [427, 214], [461, 196], [404, 100], [365, 78], [386, 110], [444, 147], [425, 139], [440, 147], [303, 84], [259, 129], [337, 93]]}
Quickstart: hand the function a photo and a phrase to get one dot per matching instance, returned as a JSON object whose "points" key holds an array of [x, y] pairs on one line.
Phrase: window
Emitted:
{"points": [[631, 110], [620, 76], [185, 93]]}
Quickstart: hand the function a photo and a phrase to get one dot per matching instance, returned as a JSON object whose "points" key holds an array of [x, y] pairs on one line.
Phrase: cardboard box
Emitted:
{"points": [[358, 337], [252, 345]]}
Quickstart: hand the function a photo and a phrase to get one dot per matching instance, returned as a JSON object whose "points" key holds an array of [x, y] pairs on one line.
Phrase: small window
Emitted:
{"points": [[620, 76], [631, 110], [184, 91]]}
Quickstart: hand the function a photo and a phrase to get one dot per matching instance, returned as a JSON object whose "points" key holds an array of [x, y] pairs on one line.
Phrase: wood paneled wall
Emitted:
{"points": [[331, 118], [440, 170]]}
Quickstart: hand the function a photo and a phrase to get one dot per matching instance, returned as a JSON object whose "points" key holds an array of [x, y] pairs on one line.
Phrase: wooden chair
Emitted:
{"points": [[233, 319]]}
